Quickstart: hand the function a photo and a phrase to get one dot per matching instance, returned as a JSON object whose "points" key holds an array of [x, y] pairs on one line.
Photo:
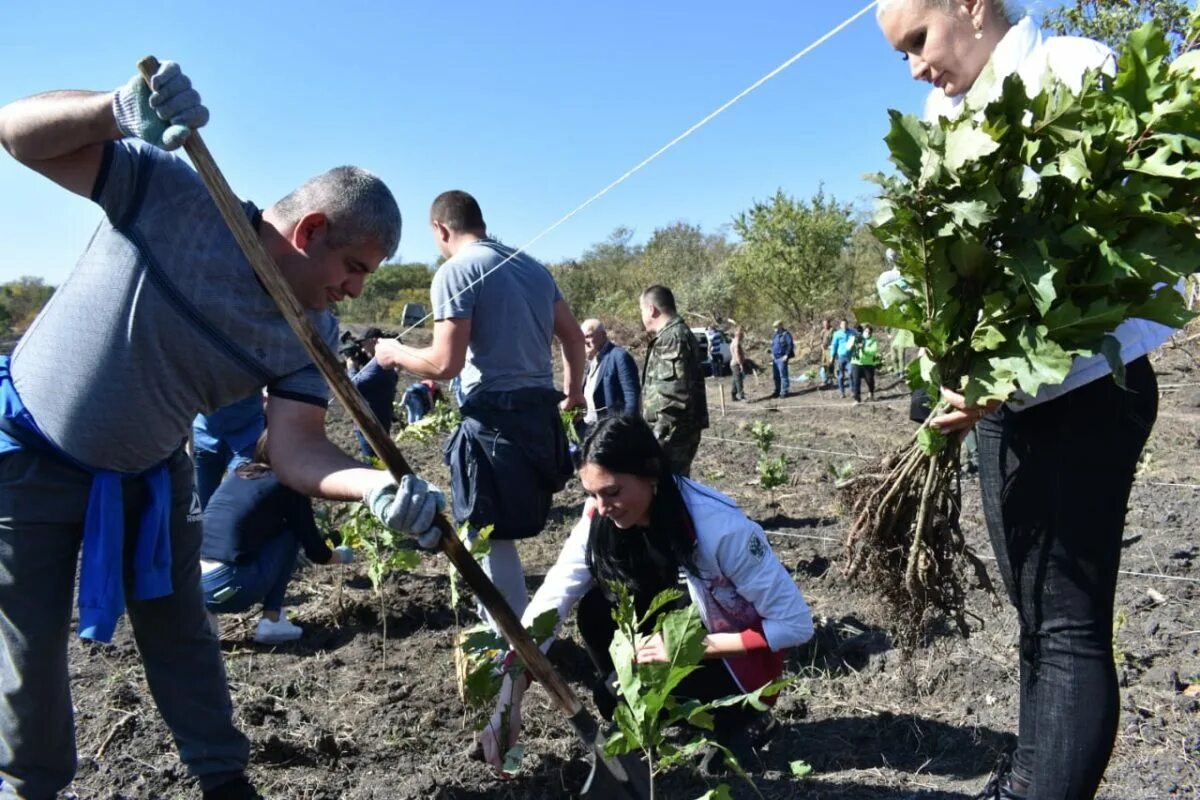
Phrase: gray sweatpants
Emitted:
{"points": [[503, 565], [42, 505]]}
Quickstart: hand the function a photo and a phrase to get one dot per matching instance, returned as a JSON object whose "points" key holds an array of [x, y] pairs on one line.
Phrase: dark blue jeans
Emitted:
{"points": [[233, 588], [843, 374], [1055, 481], [779, 370]]}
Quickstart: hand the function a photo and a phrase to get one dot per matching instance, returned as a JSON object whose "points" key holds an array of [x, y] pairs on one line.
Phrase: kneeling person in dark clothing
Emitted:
{"points": [[252, 526]]}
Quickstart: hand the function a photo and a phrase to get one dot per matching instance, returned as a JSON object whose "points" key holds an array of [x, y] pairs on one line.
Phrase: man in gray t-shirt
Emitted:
{"points": [[162, 318], [496, 312]]}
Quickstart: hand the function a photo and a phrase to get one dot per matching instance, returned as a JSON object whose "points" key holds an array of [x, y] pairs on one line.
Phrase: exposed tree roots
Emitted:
{"points": [[905, 545]]}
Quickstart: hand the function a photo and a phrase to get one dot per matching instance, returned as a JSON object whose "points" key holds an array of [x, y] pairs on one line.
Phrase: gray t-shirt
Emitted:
{"points": [[162, 318], [511, 312]]}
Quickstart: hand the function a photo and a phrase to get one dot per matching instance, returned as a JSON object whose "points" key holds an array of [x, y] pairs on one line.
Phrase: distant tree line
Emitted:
{"points": [[1111, 21], [782, 257], [787, 257], [798, 259], [385, 294], [20, 302]]}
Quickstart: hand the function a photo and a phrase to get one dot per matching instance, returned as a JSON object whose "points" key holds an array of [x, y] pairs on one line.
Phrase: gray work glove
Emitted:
{"points": [[163, 113], [408, 508], [343, 554]]}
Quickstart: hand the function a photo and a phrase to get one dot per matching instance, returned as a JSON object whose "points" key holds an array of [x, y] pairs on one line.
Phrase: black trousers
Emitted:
{"points": [[1055, 481], [711, 682], [860, 373]]}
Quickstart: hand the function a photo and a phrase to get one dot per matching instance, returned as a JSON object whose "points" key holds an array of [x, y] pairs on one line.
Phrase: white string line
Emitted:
{"points": [[869, 457], [1178, 485], [993, 558], [786, 447], [804, 536], [834, 404], [654, 156]]}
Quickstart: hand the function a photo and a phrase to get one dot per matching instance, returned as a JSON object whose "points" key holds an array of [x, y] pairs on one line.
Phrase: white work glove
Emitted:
{"points": [[163, 113], [408, 508]]}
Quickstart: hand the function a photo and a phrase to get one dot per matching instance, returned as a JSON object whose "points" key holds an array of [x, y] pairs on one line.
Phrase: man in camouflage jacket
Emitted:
{"points": [[674, 402]]}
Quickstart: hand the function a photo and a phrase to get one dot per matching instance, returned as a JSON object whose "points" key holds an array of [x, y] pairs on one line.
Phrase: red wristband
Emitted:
{"points": [[754, 640]]}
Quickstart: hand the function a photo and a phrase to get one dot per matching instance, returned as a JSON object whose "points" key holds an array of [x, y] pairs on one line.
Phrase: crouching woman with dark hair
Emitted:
{"points": [[651, 530]]}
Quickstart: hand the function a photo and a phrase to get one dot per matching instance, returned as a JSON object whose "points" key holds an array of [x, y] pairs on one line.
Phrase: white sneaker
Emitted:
{"points": [[269, 632]]}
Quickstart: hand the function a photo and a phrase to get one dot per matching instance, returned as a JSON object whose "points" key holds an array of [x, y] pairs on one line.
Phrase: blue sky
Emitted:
{"points": [[530, 106]]}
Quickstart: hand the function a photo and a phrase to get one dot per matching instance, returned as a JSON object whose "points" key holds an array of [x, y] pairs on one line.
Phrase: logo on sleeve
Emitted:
{"points": [[757, 547]]}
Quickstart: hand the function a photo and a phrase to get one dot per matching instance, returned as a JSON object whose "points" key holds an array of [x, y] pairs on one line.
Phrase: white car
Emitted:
{"points": [[723, 352]]}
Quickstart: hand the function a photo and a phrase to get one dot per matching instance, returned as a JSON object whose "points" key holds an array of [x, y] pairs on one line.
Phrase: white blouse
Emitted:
{"points": [[1025, 51]]}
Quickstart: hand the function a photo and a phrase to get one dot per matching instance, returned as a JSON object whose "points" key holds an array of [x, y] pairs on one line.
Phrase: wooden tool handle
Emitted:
{"points": [[264, 266]]}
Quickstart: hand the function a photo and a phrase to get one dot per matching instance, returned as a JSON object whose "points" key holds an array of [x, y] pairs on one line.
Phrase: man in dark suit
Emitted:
{"points": [[611, 383]]}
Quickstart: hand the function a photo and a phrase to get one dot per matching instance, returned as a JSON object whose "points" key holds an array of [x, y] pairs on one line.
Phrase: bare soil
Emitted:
{"points": [[335, 716]]}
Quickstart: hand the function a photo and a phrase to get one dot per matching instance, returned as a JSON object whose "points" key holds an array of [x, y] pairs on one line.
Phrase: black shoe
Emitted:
{"points": [[742, 743], [773, 396], [239, 788], [999, 785], [714, 761]]}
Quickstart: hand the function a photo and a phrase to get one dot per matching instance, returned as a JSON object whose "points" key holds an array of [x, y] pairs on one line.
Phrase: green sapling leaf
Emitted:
{"points": [[930, 440]]}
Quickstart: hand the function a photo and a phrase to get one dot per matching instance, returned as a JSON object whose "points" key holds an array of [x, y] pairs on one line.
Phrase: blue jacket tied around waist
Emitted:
{"points": [[101, 576], [507, 459]]}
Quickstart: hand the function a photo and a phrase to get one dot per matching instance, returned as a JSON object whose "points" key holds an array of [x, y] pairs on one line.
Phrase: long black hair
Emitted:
{"points": [[626, 445]]}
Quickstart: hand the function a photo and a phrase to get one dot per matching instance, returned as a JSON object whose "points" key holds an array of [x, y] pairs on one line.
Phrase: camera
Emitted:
{"points": [[352, 349], [352, 346]]}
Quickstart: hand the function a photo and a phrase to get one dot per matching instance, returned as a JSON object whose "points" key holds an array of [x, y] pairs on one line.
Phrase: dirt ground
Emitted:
{"points": [[341, 715]]}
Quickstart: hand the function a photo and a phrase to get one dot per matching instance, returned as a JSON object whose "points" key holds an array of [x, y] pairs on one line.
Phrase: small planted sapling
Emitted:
{"points": [[764, 436], [480, 651], [483, 668], [382, 551], [647, 706], [772, 470], [772, 473]]}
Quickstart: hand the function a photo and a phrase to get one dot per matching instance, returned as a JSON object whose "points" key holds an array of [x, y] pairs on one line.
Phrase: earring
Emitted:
{"points": [[978, 31]]}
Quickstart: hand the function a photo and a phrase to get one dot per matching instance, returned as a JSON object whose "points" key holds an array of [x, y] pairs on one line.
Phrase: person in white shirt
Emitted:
{"points": [[651, 530], [1055, 469]]}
